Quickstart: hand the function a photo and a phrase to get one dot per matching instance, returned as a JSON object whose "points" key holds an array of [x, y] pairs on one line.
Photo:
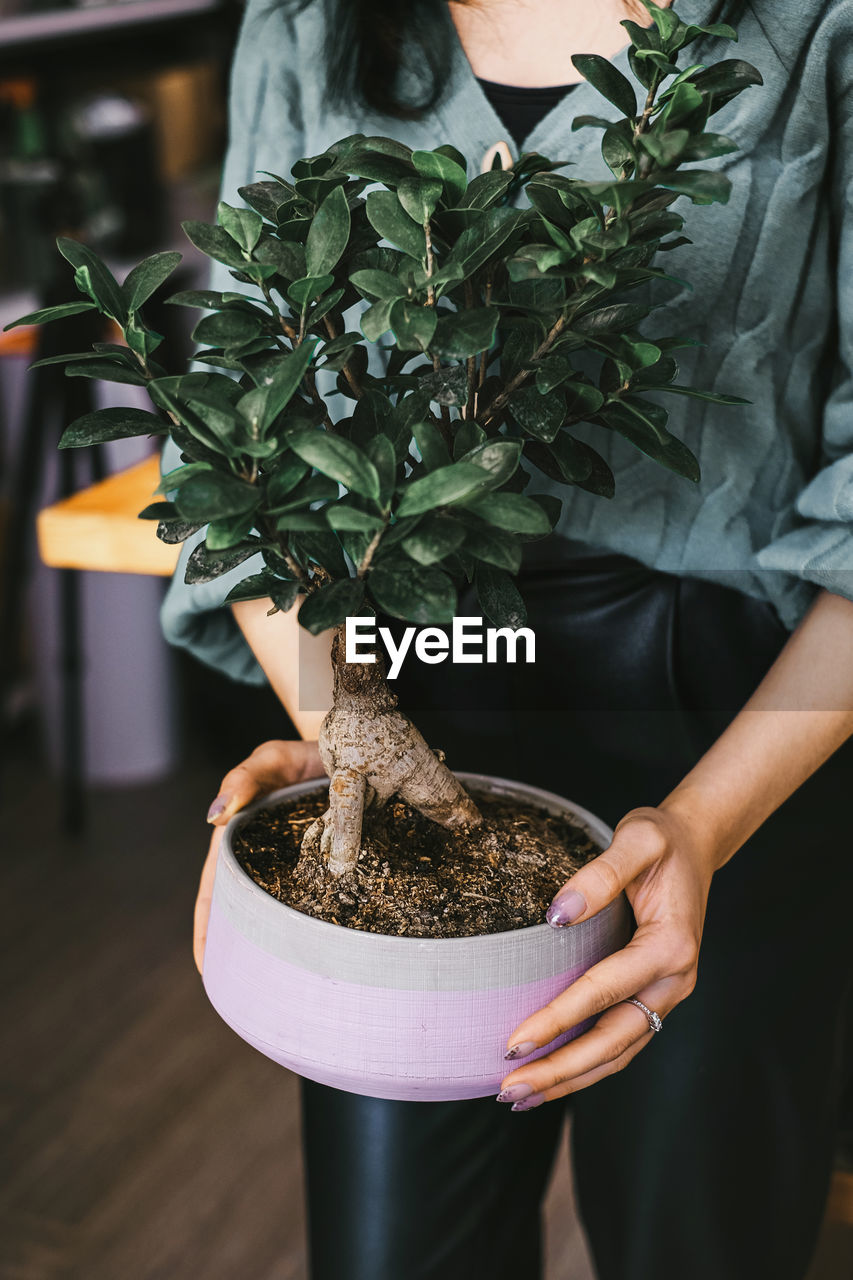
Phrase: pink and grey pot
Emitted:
{"points": [[390, 1017]]}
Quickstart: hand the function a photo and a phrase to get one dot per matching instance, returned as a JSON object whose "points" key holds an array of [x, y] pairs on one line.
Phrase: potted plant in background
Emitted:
{"points": [[511, 308]]}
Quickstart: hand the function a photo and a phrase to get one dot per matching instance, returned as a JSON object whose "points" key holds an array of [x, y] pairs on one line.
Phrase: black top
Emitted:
{"points": [[521, 108]]}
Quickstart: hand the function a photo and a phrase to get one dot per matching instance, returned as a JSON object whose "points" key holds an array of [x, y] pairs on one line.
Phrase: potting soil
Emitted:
{"points": [[415, 878]]}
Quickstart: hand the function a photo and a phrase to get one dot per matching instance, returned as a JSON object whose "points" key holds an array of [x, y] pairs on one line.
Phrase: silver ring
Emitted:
{"points": [[655, 1021]]}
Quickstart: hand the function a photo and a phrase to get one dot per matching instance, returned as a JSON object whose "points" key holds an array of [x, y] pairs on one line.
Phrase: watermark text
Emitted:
{"points": [[469, 641]]}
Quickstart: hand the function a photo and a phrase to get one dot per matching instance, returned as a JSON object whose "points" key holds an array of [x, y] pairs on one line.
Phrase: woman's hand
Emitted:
{"points": [[666, 873], [801, 712], [270, 766]]}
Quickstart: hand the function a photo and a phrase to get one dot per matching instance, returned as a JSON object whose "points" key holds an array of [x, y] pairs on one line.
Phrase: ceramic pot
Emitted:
{"points": [[391, 1017]]}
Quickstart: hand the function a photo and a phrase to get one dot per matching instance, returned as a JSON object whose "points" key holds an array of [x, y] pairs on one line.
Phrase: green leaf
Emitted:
{"points": [[681, 101], [227, 329], [204, 299], [615, 316], [107, 371], [511, 511], [468, 435], [484, 238], [617, 152], [215, 242], [454, 154], [719, 30], [380, 451], [448, 276], [378, 284], [329, 234], [723, 80], [415, 594], [413, 325], [638, 426], [100, 283], [608, 80], [338, 458], [667, 22], [434, 538], [147, 277], [204, 565], [280, 387], [702, 187], [707, 146], [551, 372], [339, 347], [164, 511], [499, 458], [111, 424], [303, 521], [591, 122], [573, 461], [582, 399], [389, 170], [331, 605], [287, 257], [666, 147], [304, 291], [486, 189], [376, 320], [287, 475], [447, 385], [269, 198], [499, 597], [215, 496], [441, 488], [351, 520], [257, 586], [435, 164], [390, 220], [419, 197], [431, 445], [46, 314], [713, 396], [494, 547], [542, 416], [180, 475], [226, 533], [244, 226], [317, 488], [323, 548], [465, 333]]}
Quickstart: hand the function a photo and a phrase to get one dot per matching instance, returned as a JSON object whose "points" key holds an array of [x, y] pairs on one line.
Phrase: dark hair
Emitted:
{"points": [[366, 41]]}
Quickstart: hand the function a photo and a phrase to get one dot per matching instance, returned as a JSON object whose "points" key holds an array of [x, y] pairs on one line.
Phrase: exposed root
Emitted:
{"points": [[371, 751]]}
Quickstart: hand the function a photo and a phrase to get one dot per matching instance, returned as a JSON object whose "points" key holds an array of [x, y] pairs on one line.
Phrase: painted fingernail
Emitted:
{"points": [[527, 1104], [219, 805], [515, 1092], [521, 1050], [566, 908]]}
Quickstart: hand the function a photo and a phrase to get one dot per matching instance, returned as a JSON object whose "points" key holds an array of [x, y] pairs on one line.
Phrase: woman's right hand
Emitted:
{"points": [[270, 766]]}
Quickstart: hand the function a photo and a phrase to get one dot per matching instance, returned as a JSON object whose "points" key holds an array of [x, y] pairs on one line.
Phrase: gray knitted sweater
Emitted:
{"points": [[772, 303]]}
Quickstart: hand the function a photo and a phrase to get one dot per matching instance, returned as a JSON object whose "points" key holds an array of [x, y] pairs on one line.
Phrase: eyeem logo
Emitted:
{"points": [[466, 643]]}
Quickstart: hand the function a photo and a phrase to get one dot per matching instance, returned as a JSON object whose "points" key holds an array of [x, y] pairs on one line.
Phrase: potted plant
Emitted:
{"points": [[511, 306]]}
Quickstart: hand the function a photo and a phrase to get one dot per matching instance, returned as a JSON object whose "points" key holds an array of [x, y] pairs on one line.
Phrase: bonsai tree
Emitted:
{"points": [[504, 312]]}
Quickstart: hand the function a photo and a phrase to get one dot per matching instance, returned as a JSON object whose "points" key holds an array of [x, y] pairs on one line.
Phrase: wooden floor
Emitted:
{"points": [[141, 1139]]}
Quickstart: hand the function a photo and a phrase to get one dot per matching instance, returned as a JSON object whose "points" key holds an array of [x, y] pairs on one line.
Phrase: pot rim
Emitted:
{"points": [[593, 825]]}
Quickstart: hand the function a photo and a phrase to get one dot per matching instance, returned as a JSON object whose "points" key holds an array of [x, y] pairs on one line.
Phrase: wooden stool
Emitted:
{"points": [[99, 527]]}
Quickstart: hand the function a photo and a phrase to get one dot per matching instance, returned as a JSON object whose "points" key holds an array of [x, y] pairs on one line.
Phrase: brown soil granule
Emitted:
{"points": [[415, 878]]}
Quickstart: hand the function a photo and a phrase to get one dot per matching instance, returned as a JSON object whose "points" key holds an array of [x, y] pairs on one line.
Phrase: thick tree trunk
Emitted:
{"points": [[371, 751]]}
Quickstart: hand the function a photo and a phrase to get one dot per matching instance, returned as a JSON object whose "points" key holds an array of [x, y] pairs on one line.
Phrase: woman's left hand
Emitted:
{"points": [[666, 873]]}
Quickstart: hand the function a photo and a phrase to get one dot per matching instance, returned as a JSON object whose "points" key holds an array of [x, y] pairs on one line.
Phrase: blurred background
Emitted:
{"points": [[141, 1138]]}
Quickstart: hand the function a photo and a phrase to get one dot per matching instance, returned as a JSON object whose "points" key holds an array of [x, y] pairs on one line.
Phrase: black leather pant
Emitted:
{"points": [[708, 1158]]}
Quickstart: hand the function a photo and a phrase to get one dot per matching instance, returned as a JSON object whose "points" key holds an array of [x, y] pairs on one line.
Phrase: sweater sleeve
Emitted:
{"points": [[265, 132], [818, 544]]}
